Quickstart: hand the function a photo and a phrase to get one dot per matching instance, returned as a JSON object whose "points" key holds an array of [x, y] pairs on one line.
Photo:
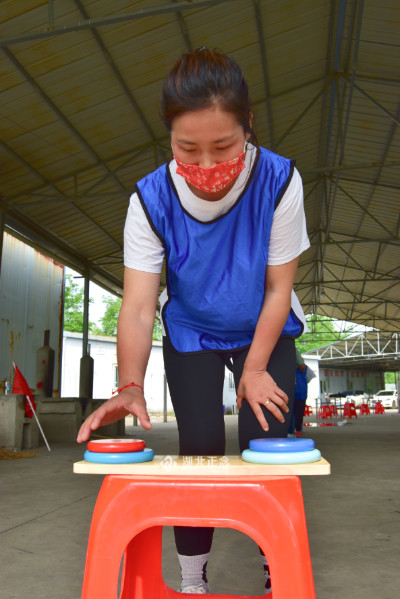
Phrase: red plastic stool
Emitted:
{"points": [[364, 409], [325, 412], [131, 511], [308, 411], [379, 409], [349, 410]]}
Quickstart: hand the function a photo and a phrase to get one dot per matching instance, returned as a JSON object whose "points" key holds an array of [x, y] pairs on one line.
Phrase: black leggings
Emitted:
{"points": [[195, 383]]}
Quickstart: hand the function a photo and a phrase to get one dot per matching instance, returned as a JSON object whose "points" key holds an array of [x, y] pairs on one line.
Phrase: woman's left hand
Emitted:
{"points": [[260, 389]]}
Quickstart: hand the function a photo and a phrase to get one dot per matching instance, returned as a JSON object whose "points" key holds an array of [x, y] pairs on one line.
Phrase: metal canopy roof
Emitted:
{"points": [[373, 350], [81, 81]]}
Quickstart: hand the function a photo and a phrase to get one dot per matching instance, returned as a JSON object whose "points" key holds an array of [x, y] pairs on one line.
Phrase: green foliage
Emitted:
{"points": [[157, 330], [391, 378], [109, 320], [73, 312], [73, 306], [323, 331]]}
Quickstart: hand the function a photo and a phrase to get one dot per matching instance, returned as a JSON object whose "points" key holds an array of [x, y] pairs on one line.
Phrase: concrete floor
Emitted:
{"points": [[353, 518]]}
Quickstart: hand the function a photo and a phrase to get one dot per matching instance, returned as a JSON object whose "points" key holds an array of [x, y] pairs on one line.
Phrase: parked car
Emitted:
{"points": [[387, 397], [356, 397]]}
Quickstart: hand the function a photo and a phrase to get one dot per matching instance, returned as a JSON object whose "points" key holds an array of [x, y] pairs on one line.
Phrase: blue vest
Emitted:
{"points": [[216, 269]]}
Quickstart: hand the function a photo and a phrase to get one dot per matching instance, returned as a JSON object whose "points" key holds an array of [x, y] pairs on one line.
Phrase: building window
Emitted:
{"points": [[115, 376], [231, 380]]}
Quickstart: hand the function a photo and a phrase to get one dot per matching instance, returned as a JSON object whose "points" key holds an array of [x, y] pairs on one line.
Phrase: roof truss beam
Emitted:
{"points": [[264, 66], [140, 13], [58, 113], [117, 74]]}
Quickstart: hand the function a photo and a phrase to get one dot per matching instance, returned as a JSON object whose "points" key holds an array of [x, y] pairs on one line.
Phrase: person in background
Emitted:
{"points": [[300, 398]]}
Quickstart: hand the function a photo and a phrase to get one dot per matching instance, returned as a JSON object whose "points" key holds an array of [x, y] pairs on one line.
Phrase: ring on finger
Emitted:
{"points": [[267, 402]]}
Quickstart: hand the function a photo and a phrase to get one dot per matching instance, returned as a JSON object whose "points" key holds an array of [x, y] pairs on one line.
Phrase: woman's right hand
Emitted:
{"points": [[129, 401]]}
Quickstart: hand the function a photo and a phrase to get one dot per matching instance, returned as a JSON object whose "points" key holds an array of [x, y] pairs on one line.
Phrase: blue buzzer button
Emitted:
{"points": [[134, 457], [282, 445], [299, 457]]}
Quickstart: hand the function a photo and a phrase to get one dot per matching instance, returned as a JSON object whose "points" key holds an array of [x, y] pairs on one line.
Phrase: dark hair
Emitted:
{"points": [[202, 79]]}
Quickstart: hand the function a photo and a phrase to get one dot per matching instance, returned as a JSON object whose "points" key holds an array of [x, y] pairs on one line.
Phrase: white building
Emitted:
{"points": [[105, 379]]}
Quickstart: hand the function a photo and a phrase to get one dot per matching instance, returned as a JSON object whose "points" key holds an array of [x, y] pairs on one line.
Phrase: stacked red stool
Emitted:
{"points": [[308, 411], [349, 410], [379, 409], [334, 410], [325, 412], [364, 409]]}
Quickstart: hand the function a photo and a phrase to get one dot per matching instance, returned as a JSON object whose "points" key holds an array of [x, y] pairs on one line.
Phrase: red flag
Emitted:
{"points": [[21, 387]]}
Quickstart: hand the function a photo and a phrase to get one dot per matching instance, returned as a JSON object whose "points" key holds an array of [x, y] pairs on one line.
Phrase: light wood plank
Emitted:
{"points": [[203, 466]]}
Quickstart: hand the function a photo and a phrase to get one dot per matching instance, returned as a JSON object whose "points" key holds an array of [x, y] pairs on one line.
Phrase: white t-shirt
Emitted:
{"points": [[144, 251]]}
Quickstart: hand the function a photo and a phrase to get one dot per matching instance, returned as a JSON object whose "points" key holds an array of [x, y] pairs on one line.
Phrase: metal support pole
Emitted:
{"points": [[2, 220], [85, 332], [87, 362], [165, 398]]}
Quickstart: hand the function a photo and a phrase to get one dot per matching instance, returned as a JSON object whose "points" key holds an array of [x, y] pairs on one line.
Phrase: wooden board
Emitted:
{"points": [[206, 466]]}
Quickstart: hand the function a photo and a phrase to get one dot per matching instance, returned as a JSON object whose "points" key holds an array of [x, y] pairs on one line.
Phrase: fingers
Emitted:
{"points": [[259, 414], [92, 423], [85, 430], [262, 397], [113, 410], [239, 398], [280, 400], [143, 418], [276, 410]]}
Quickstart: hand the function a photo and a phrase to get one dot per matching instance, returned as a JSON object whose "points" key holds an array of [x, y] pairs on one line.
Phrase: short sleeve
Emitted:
{"points": [[143, 250], [289, 232]]}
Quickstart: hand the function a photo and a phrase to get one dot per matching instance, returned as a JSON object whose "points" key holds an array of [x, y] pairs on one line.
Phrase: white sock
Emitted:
{"points": [[193, 569], [267, 576]]}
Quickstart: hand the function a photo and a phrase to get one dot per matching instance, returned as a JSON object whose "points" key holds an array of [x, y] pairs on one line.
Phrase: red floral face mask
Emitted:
{"points": [[214, 178]]}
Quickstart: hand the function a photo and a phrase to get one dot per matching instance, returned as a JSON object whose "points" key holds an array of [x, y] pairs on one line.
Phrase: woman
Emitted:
{"points": [[228, 217]]}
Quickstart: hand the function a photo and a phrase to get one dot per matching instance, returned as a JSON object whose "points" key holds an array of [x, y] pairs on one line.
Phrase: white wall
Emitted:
{"points": [[30, 298], [104, 353], [313, 387], [336, 380]]}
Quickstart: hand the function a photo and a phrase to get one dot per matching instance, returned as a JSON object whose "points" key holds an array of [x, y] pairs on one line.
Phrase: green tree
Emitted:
{"points": [[73, 306], [322, 332], [157, 330], [391, 378], [109, 320]]}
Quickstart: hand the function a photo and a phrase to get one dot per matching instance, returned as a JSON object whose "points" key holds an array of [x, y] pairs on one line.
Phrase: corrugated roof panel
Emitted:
{"points": [[373, 200], [12, 9], [25, 17], [49, 158], [19, 101], [23, 322], [15, 175], [42, 57]]}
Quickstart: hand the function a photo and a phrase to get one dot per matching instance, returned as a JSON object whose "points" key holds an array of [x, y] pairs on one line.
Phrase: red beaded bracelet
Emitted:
{"points": [[128, 385]]}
